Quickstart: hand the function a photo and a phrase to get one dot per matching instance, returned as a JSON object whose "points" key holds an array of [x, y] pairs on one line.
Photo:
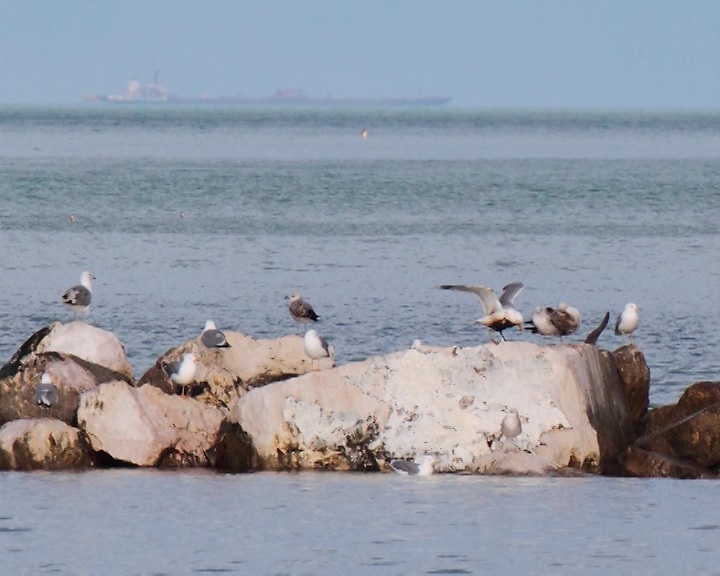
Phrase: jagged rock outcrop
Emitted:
{"points": [[226, 373], [448, 403], [41, 444], [145, 427], [635, 377]]}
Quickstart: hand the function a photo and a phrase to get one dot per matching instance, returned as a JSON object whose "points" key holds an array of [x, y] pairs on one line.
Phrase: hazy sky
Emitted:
{"points": [[505, 53]]}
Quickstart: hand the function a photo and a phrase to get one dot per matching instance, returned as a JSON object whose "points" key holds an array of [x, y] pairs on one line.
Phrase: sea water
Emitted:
{"points": [[185, 215]]}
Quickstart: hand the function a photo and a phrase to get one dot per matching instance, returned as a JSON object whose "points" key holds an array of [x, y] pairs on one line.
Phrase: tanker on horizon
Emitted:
{"points": [[156, 93]]}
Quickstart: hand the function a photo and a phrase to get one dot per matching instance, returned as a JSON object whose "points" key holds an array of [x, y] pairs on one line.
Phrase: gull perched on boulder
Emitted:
{"points": [[46, 393], [300, 310], [211, 337], [628, 320], [78, 297], [315, 346], [182, 372], [511, 425], [560, 321], [499, 312], [423, 467]]}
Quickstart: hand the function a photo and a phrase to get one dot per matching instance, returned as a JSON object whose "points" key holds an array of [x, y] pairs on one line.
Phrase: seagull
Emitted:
{"points": [[499, 312], [511, 425], [211, 337], [182, 372], [300, 310], [560, 321], [628, 320], [423, 467], [315, 346], [46, 393], [541, 323], [364, 133], [78, 297]]}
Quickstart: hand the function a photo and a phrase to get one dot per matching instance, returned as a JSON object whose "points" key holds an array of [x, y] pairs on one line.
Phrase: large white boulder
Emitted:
{"points": [[449, 403], [89, 343], [145, 427]]}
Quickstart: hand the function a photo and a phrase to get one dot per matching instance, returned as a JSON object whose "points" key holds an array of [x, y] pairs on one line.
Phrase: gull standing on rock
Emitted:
{"points": [[300, 310], [182, 372], [78, 297], [46, 393], [499, 312], [511, 425], [315, 347], [560, 321], [211, 337], [423, 467], [628, 320], [541, 323]]}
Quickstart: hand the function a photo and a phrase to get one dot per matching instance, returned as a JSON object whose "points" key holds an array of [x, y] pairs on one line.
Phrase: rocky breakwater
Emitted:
{"points": [[154, 424], [77, 358], [96, 415], [450, 404]]}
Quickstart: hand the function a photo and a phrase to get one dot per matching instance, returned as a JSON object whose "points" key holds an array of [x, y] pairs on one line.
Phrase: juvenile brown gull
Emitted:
{"points": [[78, 297], [560, 321], [300, 310], [499, 312], [628, 320], [211, 337]]}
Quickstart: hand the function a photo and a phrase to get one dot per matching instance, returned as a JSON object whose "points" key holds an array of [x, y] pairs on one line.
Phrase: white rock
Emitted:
{"points": [[139, 425], [89, 343], [411, 403]]}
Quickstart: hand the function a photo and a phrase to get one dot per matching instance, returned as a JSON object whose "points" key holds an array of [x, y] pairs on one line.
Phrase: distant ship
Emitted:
{"points": [[156, 93]]}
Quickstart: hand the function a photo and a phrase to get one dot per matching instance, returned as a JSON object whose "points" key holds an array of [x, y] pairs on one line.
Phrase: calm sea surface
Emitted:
{"points": [[597, 209]]}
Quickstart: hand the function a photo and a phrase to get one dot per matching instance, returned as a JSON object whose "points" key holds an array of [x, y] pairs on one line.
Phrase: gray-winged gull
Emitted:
{"points": [[78, 297], [211, 337], [423, 467], [628, 320], [499, 312], [300, 310], [315, 346], [46, 393], [182, 372]]}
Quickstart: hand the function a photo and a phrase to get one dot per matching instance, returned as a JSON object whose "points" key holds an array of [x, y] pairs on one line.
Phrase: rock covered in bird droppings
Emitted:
{"points": [[413, 403]]}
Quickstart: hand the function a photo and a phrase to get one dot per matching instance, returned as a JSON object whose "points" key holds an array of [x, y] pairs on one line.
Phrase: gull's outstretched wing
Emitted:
{"points": [[487, 296], [510, 292]]}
